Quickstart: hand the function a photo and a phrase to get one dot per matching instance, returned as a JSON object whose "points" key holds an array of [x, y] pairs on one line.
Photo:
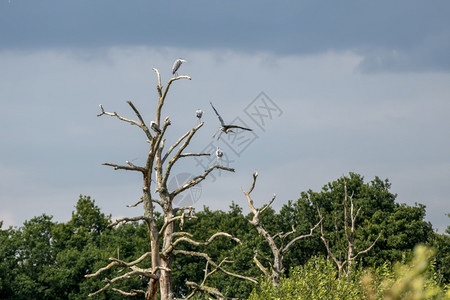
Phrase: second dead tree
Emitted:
{"points": [[345, 265], [276, 242]]}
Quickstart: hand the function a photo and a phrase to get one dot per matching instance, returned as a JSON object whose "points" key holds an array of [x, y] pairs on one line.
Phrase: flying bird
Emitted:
{"points": [[155, 127], [199, 114], [177, 65], [226, 128]]}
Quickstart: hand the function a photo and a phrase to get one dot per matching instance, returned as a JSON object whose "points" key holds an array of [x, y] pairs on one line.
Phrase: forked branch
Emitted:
{"points": [[197, 179], [212, 263]]}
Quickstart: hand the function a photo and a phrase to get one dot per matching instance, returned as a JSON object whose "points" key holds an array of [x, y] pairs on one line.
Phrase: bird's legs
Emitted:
{"points": [[217, 133]]}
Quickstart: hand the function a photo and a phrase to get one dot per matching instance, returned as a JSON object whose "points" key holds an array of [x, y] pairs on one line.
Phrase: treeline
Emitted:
{"points": [[44, 259]]}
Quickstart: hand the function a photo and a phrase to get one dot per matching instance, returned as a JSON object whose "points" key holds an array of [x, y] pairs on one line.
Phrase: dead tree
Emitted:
{"points": [[157, 169], [278, 250], [349, 237]]}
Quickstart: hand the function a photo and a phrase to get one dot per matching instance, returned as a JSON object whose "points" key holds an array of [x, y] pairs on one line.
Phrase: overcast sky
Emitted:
{"points": [[341, 86]]}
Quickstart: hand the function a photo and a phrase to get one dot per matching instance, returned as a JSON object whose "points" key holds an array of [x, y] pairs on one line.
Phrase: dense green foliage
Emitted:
{"points": [[318, 279], [44, 259]]}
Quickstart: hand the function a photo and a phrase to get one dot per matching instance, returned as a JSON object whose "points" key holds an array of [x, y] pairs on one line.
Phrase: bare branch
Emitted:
{"points": [[327, 246], [174, 146], [132, 122], [206, 256], [126, 220], [260, 265], [130, 167], [123, 277], [368, 248], [285, 249], [100, 290], [190, 209], [162, 96], [159, 86], [171, 220], [196, 243], [180, 150], [117, 262], [268, 204], [109, 266], [255, 175], [143, 126], [137, 203], [133, 292], [196, 180], [203, 288], [194, 154]]}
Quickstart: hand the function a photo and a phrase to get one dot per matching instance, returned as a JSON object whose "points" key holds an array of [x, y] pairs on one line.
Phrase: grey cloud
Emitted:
{"points": [[415, 30]]}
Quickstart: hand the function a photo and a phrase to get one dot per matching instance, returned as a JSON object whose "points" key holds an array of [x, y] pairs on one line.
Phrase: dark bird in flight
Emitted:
{"points": [[177, 65], [226, 128]]}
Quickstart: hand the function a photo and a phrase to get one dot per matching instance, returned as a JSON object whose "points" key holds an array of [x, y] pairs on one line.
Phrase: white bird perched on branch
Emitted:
{"points": [[219, 154], [155, 127], [177, 65], [226, 128], [199, 114]]}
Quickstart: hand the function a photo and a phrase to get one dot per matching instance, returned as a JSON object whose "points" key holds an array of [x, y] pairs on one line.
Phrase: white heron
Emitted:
{"points": [[155, 127], [226, 128], [199, 114], [177, 65], [219, 154]]}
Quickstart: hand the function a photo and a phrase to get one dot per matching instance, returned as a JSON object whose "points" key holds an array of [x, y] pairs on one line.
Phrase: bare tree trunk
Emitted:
{"points": [[166, 261]]}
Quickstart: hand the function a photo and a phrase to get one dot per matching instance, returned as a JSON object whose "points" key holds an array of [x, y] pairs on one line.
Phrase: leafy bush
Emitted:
{"points": [[318, 279]]}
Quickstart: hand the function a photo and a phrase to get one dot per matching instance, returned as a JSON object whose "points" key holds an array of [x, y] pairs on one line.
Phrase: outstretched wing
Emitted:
{"points": [[240, 127], [220, 118]]}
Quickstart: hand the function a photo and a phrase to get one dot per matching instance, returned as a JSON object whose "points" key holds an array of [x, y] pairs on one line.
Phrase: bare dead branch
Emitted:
{"points": [[260, 265], [327, 246], [137, 113], [123, 277], [286, 248], [255, 175], [109, 266], [196, 243], [163, 95], [171, 220], [194, 154], [131, 121], [117, 262], [133, 292], [201, 286], [190, 209], [159, 86], [196, 180], [174, 146], [206, 256], [126, 220], [178, 153], [130, 167], [137, 203], [210, 290], [268, 204], [100, 290], [368, 248]]}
